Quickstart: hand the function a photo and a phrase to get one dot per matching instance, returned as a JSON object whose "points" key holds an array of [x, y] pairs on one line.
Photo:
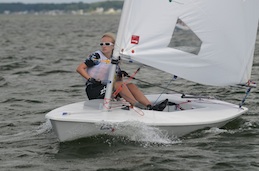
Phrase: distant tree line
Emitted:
{"points": [[39, 7]]}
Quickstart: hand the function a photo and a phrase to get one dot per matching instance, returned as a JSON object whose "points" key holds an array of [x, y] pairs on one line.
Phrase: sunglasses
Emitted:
{"points": [[106, 44]]}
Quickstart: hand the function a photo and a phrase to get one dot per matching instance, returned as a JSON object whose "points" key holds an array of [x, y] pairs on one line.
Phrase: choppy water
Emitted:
{"points": [[39, 55]]}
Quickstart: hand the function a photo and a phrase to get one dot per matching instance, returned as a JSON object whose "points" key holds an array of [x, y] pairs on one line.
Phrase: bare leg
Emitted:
{"points": [[138, 95], [125, 92]]}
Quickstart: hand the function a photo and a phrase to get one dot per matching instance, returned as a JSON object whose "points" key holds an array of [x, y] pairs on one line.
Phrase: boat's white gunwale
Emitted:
{"points": [[157, 124], [197, 116], [103, 117]]}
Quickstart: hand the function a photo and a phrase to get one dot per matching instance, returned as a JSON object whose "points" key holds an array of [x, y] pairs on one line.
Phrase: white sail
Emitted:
{"points": [[226, 28]]}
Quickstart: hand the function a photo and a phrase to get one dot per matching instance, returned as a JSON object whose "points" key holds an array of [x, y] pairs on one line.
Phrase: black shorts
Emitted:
{"points": [[95, 91]]}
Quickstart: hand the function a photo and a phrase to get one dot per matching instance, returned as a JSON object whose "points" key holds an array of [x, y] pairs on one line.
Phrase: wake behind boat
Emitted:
{"points": [[224, 58]]}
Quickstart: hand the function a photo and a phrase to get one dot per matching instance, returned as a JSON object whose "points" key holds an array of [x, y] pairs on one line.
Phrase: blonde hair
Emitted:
{"points": [[111, 35]]}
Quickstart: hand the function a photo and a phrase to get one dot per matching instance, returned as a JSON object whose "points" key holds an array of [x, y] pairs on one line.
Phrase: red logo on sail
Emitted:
{"points": [[134, 39]]}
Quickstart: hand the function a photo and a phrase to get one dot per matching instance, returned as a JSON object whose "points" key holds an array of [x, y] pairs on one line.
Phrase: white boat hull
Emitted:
{"points": [[85, 119]]}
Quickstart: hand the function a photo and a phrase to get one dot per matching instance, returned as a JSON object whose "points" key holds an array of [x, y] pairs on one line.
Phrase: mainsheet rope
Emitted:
{"points": [[118, 90]]}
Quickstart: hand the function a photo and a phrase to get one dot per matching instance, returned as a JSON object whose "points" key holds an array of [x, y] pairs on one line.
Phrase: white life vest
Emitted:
{"points": [[100, 72]]}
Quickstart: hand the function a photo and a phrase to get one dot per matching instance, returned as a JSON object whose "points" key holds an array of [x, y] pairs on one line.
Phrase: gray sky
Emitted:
{"points": [[48, 1]]}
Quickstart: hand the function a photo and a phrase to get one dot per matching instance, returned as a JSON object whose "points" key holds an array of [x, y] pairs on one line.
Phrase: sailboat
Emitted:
{"points": [[225, 58]]}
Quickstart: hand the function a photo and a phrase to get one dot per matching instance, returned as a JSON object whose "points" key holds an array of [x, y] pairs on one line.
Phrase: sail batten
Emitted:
{"points": [[226, 30]]}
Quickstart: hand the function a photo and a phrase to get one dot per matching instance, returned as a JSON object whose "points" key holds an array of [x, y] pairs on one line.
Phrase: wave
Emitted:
{"points": [[10, 100], [54, 72]]}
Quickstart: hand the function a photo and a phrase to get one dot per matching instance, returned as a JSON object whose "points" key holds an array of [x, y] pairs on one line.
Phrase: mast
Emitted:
{"points": [[114, 61], [109, 88]]}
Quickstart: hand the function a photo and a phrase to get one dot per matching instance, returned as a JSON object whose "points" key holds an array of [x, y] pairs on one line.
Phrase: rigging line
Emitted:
{"points": [[244, 99], [162, 92], [166, 88], [118, 90]]}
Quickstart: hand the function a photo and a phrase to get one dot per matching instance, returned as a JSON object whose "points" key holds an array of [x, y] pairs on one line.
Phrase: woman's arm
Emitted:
{"points": [[81, 69]]}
